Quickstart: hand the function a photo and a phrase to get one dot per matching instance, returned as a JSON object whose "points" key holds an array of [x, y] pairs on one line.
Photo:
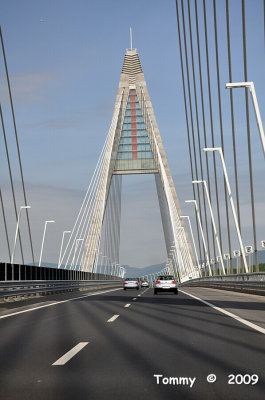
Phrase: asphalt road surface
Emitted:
{"points": [[135, 345]]}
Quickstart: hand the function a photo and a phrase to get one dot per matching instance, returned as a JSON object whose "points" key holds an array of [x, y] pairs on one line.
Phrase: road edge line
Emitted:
{"points": [[56, 303], [234, 316]]}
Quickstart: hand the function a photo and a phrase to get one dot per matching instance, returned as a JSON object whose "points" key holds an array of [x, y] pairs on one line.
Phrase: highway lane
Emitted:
{"points": [[134, 356]]}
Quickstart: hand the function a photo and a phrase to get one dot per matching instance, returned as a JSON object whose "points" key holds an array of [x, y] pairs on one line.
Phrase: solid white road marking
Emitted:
{"points": [[57, 302], [127, 305], [113, 318], [70, 354], [239, 319]]}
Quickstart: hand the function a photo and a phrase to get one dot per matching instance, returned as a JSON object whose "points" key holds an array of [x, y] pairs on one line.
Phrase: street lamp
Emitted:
{"points": [[173, 261], [189, 268], [227, 258], [15, 241], [203, 239], [109, 265], [116, 269], [186, 216], [43, 238], [251, 87], [237, 254], [60, 255], [99, 268], [103, 265], [95, 264], [213, 222], [212, 261], [178, 271], [220, 151], [76, 245]]}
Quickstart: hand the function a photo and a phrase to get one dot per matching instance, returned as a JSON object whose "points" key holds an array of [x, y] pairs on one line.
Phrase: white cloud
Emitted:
{"points": [[27, 87]]}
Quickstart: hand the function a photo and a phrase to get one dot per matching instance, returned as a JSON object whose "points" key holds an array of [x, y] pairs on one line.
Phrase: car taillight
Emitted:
{"points": [[136, 283], [125, 283], [174, 281], [157, 281]]}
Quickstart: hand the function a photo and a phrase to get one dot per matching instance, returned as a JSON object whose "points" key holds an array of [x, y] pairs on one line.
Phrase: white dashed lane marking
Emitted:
{"points": [[127, 305], [113, 318], [70, 354]]}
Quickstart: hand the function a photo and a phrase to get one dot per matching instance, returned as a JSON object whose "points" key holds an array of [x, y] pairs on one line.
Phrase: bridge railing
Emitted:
{"points": [[19, 272], [253, 276], [26, 288], [253, 283]]}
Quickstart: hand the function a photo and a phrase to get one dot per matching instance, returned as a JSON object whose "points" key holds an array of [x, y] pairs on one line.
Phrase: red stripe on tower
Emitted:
{"points": [[133, 122]]}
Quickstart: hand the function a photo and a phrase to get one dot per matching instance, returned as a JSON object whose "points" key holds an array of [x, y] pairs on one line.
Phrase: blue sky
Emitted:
{"points": [[64, 75]]}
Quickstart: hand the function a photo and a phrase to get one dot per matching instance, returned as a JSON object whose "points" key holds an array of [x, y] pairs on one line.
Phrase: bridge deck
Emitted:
{"points": [[147, 335]]}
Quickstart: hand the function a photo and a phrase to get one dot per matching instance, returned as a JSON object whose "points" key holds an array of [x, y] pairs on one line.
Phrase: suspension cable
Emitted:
{"points": [[211, 120], [221, 120], [4, 218], [248, 135], [191, 114], [17, 144], [11, 181], [232, 113], [198, 127], [187, 123], [88, 193], [203, 120]]}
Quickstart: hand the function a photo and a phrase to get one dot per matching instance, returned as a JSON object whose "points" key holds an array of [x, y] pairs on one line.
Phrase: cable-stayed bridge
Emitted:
{"points": [[104, 342]]}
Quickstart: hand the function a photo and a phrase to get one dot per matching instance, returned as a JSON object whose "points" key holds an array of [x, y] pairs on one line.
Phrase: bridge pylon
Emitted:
{"points": [[134, 146]]}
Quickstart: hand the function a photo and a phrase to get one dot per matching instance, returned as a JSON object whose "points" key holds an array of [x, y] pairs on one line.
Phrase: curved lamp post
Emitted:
{"points": [[43, 238]]}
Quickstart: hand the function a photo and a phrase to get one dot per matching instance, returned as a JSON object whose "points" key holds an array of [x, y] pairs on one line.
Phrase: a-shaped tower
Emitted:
{"points": [[134, 146]]}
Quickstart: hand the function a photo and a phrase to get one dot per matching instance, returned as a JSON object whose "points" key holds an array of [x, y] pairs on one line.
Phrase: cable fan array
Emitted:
{"points": [[83, 244]]}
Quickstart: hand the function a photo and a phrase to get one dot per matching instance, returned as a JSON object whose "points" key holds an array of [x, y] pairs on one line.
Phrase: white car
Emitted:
{"points": [[144, 284], [166, 283], [131, 283]]}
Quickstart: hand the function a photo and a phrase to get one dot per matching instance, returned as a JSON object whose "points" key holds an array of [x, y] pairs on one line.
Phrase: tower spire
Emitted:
{"points": [[131, 37]]}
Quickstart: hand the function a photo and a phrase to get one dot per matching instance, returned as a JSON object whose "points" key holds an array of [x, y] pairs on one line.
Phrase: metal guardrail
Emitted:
{"points": [[26, 288], [249, 283], [253, 276]]}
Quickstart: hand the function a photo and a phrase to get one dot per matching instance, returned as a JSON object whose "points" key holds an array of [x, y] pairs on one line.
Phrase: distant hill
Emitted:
{"points": [[132, 272], [261, 255]]}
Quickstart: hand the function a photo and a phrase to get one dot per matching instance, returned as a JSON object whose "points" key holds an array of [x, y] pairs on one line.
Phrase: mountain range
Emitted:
{"points": [[133, 272]]}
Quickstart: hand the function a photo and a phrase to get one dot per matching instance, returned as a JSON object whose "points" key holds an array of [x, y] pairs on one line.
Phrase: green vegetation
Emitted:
{"points": [[261, 268]]}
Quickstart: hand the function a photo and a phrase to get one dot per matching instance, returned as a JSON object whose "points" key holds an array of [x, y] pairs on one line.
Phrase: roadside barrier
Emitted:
{"points": [[253, 283]]}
